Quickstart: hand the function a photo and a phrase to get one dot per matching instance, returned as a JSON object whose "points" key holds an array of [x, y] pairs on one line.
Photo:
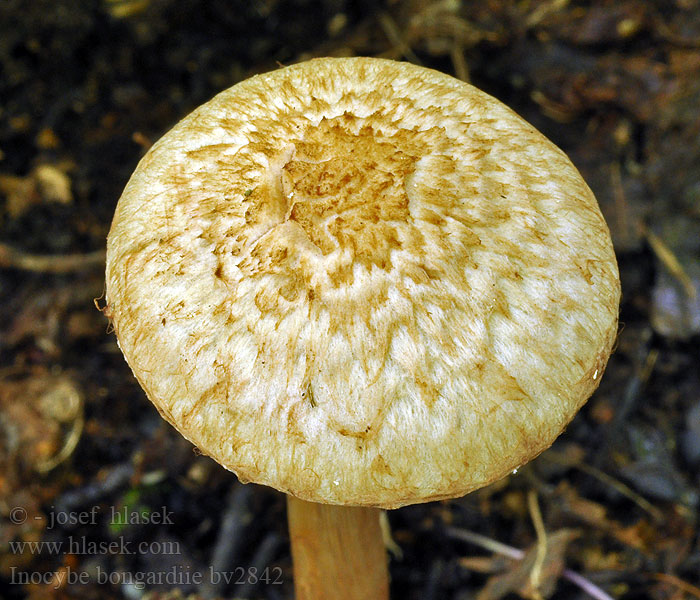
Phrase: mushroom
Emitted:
{"points": [[366, 284]]}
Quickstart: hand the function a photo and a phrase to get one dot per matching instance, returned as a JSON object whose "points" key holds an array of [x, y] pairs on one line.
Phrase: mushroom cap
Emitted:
{"points": [[362, 282]]}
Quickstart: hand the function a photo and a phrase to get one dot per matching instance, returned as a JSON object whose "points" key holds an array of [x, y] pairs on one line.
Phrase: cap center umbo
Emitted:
{"points": [[344, 186], [342, 194]]}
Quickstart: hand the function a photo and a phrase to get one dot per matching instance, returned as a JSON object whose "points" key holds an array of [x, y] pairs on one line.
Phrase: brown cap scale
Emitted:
{"points": [[362, 282]]}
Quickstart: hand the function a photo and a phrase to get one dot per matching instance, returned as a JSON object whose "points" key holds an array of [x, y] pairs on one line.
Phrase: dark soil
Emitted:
{"points": [[86, 462]]}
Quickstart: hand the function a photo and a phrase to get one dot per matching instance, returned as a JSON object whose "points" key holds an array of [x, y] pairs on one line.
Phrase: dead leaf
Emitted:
{"points": [[46, 183], [517, 579]]}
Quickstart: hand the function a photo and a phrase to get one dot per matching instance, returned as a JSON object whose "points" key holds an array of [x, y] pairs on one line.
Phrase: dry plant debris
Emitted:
{"points": [[86, 86]]}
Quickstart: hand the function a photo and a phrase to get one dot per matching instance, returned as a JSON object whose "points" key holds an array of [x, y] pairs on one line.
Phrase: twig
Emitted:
{"points": [[389, 542], [69, 446], [393, 34], [487, 543], [116, 478], [621, 210], [618, 486], [670, 261], [679, 583], [430, 591], [543, 11], [11, 258], [459, 63], [235, 520], [261, 560], [644, 358], [587, 586], [538, 523]]}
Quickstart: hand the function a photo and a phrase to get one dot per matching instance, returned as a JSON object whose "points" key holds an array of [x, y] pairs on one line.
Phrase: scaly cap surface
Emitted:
{"points": [[362, 282]]}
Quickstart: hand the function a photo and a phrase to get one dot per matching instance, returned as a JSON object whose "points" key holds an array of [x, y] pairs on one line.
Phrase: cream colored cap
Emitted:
{"points": [[362, 282]]}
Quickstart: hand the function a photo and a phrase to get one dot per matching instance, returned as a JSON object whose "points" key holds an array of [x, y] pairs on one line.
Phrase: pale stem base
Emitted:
{"points": [[338, 552]]}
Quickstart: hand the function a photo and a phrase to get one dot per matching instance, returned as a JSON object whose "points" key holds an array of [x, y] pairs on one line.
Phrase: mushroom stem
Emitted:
{"points": [[338, 552]]}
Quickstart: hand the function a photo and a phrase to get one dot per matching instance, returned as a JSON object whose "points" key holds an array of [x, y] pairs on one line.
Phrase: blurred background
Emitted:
{"points": [[98, 494]]}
